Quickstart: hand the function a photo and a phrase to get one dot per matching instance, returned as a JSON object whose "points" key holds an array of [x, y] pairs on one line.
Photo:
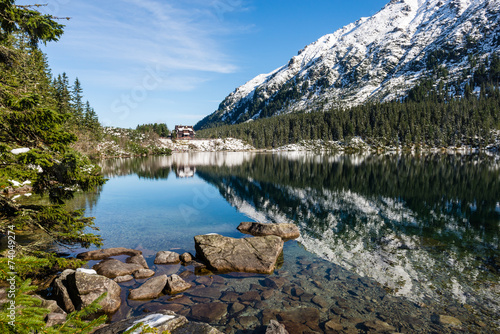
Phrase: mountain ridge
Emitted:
{"points": [[378, 58]]}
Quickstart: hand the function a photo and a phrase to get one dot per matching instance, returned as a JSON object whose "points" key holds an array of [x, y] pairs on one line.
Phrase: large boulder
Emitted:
{"points": [[285, 231], [112, 268], [76, 290], [152, 288], [252, 255], [162, 320], [102, 254]]}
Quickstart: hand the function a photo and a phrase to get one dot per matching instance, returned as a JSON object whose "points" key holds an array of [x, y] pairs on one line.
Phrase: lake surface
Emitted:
{"points": [[388, 238]]}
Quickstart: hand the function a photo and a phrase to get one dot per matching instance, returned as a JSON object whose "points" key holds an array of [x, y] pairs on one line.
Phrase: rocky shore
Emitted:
{"points": [[184, 293]]}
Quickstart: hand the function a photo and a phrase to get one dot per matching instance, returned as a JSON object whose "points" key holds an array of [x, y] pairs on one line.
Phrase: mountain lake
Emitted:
{"points": [[389, 243]]}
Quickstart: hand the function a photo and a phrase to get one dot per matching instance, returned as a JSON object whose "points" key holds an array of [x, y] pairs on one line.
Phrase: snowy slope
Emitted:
{"points": [[374, 59]]}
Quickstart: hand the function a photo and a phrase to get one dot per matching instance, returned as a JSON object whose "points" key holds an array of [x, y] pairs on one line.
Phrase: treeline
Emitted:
{"points": [[435, 114], [467, 121], [69, 100], [161, 129]]}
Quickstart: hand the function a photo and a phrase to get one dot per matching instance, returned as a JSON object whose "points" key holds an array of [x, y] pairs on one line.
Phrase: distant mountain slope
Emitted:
{"points": [[374, 59]]}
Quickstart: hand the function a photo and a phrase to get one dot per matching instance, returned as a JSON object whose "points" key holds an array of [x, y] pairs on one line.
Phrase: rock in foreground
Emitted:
{"points": [[112, 268], [152, 288], [252, 255], [75, 290], [163, 321], [283, 230], [102, 254]]}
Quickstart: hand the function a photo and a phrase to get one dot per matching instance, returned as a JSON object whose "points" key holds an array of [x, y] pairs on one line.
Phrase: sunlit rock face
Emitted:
{"points": [[373, 59], [423, 227]]}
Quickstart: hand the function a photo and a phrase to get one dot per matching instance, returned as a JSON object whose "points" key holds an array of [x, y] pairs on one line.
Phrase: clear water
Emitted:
{"points": [[422, 231]]}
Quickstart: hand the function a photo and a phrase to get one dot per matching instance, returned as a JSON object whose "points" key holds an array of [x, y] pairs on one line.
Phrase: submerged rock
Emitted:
{"points": [[252, 255], [152, 288], [275, 327], [167, 257], [446, 320], [164, 321], [112, 268], [208, 312], [283, 230], [102, 254]]}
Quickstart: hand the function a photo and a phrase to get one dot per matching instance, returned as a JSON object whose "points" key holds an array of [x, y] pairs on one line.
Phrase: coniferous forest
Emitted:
{"points": [[433, 114]]}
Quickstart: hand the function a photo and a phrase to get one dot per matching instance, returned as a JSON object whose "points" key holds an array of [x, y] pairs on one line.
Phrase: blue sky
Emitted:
{"points": [[146, 61]]}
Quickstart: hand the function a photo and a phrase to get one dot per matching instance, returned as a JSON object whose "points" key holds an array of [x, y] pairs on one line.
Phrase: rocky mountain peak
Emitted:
{"points": [[378, 58]]}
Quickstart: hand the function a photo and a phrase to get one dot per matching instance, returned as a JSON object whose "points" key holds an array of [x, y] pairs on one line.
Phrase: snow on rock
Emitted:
{"points": [[20, 150], [86, 271], [206, 145]]}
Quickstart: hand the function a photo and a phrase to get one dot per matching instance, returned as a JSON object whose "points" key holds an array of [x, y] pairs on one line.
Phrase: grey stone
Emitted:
{"points": [[152, 288], [253, 255], [175, 284], [85, 288], [101, 254], [138, 259], [283, 230], [167, 257], [122, 279], [112, 268], [186, 258], [143, 273]]}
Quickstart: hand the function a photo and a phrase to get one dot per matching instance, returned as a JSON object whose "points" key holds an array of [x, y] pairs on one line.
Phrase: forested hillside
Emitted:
{"points": [[429, 116]]}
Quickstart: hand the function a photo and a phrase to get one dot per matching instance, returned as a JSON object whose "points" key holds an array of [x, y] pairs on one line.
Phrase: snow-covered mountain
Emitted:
{"points": [[374, 59]]}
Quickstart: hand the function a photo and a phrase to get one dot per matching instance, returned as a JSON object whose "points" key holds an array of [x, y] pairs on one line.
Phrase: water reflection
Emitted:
{"points": [[424, 227]]}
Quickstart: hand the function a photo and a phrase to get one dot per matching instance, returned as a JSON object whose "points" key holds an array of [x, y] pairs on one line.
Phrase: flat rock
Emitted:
{"points": [[167, 257], [208, 312], [138, 259], [251, 255], [164, 321], [320, 301], [275, 327], [143, 273], [378, 326], [275, 282], [213, 293], [122, 279], [446, 320], [283, 230], [152, 288], [250, 296], [175, 284], [333, 325], [101, 254], [112, 268]]}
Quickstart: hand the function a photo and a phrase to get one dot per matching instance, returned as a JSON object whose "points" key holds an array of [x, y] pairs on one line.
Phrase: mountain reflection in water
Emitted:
{"points": [[424, 227]]}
